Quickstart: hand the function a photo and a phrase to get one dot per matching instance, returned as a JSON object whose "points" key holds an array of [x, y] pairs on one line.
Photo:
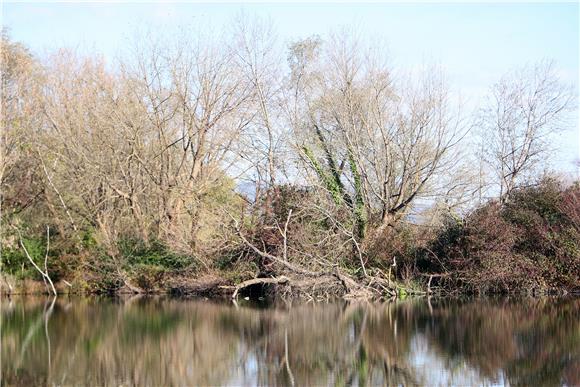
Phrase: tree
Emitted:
{"points": [[525, 108], [18, 114], [139, 152], [254, 45], [377, 144]]}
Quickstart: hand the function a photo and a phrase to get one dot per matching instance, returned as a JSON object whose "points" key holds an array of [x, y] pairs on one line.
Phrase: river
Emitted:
{"points": [[159, 341]]}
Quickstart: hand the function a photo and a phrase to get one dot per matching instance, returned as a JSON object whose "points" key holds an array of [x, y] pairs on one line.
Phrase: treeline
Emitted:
{"points": [[207, 161]]}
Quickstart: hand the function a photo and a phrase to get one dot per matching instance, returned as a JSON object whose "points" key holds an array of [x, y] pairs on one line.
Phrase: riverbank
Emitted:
{"points": [[214, 287], [326, 288], [527, 245]]}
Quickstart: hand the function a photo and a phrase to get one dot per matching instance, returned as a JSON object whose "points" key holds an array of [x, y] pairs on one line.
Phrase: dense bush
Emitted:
{"points": [[13, 260], [396, 246], [530, 242], [137, 252], [60, 262], [148, 277]]}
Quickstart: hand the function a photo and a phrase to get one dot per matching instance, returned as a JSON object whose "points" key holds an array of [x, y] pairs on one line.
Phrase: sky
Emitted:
{"points": [[474, 43]]}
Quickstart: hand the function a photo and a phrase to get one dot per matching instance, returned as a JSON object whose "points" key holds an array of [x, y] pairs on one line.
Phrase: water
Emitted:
{"points": [[163, 341]]}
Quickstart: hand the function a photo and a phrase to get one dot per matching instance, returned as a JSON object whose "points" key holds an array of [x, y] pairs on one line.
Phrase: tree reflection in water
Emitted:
{"points": [[162, 341]]}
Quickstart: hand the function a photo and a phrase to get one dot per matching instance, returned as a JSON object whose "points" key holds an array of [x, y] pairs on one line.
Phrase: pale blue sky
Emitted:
{"points": [[475, 43]]}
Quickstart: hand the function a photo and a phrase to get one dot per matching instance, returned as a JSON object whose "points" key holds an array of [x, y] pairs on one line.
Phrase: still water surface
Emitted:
{"points": [[163, 341]]}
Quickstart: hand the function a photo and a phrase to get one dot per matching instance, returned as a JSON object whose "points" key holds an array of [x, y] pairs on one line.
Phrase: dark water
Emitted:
{"points": [[163, 341]]}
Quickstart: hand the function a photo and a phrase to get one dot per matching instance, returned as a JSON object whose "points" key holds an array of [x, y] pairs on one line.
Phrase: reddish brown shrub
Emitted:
{"points": [[531, 242]]}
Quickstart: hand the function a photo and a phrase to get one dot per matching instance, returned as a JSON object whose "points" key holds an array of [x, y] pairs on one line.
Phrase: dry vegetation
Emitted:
{"points": [[204, 164]]}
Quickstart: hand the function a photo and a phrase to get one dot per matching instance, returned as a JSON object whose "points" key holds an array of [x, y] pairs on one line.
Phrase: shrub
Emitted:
{"points": [[99, 274], [400, 243], [148, 277], [137, 252], [13, 260], [530, 242]]}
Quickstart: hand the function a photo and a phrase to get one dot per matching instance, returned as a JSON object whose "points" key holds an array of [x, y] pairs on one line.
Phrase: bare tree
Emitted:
{"points": [[254, 44], [141, 151], [197, 107], [525, 108], [377, 145], [18, 114]]}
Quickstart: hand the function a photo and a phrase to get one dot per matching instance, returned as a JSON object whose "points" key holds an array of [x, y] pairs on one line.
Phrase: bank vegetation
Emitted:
{"points": [[216, 163]]}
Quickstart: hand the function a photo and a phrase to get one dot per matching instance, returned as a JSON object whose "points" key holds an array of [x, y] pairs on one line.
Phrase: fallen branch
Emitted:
{"points": [[255, 281], [43, 273], [133, 289], [353, 289], [431, 276], [263, 254]]}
